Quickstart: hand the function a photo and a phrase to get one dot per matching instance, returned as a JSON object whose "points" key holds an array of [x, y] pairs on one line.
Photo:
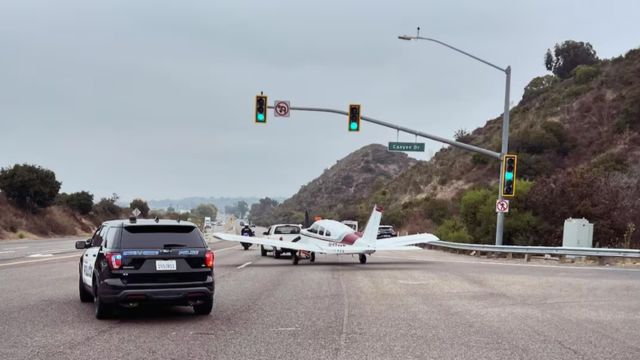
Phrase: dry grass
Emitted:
{"points": [[53, 221]]}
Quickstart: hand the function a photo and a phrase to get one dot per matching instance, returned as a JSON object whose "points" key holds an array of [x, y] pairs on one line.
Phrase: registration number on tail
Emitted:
{"points": [[164, 265]]}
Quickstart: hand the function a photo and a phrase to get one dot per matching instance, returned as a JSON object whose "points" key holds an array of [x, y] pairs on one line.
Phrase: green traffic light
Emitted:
{"points": [[353, 125], [508, 176], [260, 117]]}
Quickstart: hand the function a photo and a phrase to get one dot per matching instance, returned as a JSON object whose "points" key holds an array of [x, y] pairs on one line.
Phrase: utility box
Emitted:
{"points": [[577, 233]]}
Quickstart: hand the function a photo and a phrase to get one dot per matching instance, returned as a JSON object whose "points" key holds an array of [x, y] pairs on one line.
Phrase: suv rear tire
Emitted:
{"points": [[85, 296], [102, 310], [263, 251], [204, 308]]}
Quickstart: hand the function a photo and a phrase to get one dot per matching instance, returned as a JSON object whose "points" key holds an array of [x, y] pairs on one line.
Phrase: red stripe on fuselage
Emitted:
{"points": [[350, 238]]}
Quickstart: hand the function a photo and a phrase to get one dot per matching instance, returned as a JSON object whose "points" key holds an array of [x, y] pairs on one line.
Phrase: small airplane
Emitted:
{"points": [[334, 237]]}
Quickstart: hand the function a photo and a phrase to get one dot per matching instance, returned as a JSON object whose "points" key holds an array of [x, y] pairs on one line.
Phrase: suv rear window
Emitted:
{"points": [[287, 230], [160, 237]]}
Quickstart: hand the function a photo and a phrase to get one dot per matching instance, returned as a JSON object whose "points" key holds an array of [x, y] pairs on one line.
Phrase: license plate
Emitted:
{"points": [[164, 265]]}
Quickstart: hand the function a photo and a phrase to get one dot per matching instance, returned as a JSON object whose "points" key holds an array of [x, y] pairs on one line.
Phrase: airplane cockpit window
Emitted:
{"points": [[313, 229], [321, 231], [327, 233]]}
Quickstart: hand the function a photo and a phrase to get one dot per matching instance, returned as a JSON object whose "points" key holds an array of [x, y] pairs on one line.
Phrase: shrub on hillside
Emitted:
{"points": [[31, 187], [453, 230], [538, 85], [81, 201], [585, 73]]}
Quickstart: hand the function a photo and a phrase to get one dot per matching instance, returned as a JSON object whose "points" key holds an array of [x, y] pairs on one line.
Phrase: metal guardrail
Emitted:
{"points": [[538, 250]]}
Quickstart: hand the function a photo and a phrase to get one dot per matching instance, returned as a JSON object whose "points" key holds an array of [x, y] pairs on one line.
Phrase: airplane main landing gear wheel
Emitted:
{"points": [[294, 257], [263, 251], [313, 257], [363, 259]]}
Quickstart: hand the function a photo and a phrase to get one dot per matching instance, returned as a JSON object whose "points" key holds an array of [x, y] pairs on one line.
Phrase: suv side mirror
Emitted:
{"points": [[82, 244]]}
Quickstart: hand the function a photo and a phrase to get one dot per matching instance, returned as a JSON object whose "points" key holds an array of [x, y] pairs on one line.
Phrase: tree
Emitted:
{"points": [[107, 209], [567, 56], [205, 210], [242, 208], [29, 186], [262, 212], [140, 205], [82, 201]]}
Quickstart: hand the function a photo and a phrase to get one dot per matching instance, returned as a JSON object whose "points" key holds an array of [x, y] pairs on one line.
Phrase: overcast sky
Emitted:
{"points": [[154, 99]]}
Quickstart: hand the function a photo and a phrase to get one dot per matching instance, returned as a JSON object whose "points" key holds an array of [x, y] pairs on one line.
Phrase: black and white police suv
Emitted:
{"points": [[132, 262]]}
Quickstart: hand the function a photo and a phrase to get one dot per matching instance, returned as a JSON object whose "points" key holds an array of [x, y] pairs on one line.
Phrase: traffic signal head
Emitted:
{"points": [[509, 175], [261, 109], [354, 117]]}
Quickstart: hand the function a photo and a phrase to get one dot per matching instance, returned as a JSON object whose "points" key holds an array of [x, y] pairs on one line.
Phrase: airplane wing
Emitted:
{"points": [[270, 242], [404, 242]]}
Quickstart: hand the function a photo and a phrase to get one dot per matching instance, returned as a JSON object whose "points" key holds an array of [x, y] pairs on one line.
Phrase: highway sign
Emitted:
{"points": [[406, 146], [281, 108], [136, 212], [502, 206]]}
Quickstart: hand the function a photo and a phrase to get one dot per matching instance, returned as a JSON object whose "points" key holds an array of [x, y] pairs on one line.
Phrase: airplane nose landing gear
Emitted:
{"points": [[363, 259]]}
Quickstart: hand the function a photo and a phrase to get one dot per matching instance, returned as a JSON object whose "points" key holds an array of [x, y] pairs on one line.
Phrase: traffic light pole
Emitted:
{"points": [[403, 129], [505, 118]]}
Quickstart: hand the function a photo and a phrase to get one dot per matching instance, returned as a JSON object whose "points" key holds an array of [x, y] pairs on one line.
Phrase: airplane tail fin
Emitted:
{"points": [[370, 234]]}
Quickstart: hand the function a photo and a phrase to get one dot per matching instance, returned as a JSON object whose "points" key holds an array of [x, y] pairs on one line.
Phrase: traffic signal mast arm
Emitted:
{"points": [[468, 147]]}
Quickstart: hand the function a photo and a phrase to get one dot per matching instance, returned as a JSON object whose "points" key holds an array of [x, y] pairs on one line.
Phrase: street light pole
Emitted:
{"points": [[505, 119]]}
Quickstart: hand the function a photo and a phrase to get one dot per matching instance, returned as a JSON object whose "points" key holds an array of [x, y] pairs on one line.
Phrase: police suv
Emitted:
{"points": [[132, 262]]}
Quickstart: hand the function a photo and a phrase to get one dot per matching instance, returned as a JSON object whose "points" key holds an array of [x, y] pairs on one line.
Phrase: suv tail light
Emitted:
{"points": [[208, 259], [114, 260]]}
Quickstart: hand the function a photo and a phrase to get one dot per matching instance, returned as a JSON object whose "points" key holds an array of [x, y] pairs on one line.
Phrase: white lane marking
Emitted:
{"points": [[7, 252], [245, 264], [508, 264], [414, 282], [285, 329], [15, 248], [39, 260], [40, 255]]}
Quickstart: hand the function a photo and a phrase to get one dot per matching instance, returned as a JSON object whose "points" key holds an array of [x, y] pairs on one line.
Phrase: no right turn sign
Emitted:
{"points": [[502, 205]]}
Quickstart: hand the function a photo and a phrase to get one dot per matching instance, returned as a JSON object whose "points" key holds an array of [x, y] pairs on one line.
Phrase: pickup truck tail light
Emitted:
{"points": [[114, 260], [209, 259]]}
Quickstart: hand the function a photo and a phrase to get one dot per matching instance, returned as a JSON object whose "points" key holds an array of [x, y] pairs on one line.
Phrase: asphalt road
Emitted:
{"points": [[401, 305]]}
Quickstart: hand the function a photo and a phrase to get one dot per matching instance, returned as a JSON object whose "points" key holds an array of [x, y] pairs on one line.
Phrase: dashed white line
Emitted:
{"points": [[7, 252], [245, 264], [39, 260]]}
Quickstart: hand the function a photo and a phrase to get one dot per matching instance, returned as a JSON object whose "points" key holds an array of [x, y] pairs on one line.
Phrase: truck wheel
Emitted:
{"points": [[263, 252], [276, 253], [294, 257], [204, 308], [363, 259]]}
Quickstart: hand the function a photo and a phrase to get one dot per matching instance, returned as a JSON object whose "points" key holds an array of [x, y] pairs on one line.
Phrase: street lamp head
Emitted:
{"points": [[405, 37]]}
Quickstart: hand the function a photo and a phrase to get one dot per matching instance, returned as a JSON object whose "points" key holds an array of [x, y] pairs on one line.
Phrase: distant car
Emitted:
{"points": [[133, 262], [283, 232], [386, 231]]}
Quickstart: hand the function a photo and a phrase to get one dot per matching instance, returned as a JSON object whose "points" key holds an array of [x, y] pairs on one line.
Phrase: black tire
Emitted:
{"points": [[263, 251], [102, 310], [277, 253], [313, 257], [204, 308], [363, 259], [295, 258], [85, 295], [246, 245]]}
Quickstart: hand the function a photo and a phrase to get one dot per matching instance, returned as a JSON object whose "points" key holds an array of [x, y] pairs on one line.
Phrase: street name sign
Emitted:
{"points": [[281, 108], [406, 146]]}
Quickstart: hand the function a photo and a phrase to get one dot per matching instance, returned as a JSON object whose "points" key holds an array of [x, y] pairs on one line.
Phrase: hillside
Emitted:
{"points": [[578, 145], [338, 192]]}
